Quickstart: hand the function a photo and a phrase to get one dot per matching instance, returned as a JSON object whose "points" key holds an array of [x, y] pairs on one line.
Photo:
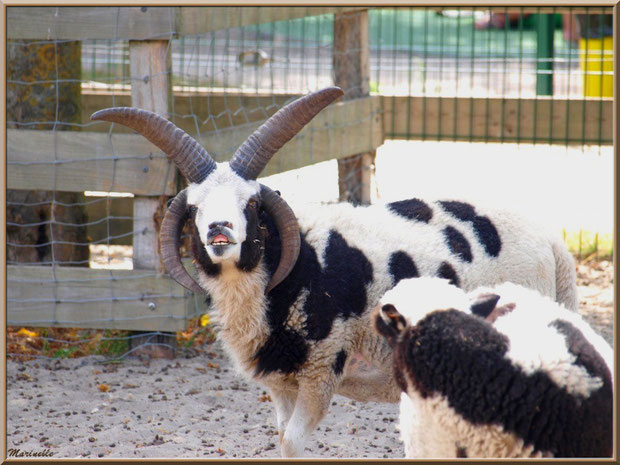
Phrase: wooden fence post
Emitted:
{"points": [[150, 87], [150, 90], [352, 74]]}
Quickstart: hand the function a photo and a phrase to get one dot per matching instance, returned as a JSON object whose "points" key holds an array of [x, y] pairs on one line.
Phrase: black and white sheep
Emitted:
{"points": [[498, 372], [292, 292]]}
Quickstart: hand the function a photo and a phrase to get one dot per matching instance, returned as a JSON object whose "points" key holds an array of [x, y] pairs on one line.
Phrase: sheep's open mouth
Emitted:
{"points": [[220, 240]]}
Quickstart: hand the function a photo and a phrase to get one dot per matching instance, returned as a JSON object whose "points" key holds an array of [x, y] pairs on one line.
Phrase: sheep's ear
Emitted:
{"points": [[484, 304], [501, 311], [389, 322]]}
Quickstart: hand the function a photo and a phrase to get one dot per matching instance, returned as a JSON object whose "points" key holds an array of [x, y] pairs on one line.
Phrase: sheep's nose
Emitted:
{"points": [[224, 224]]}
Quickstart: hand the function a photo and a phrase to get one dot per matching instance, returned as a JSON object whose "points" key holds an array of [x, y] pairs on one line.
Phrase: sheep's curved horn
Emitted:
{"points": [[254, 154], [193, 161], [170, 234], [288, 227]]}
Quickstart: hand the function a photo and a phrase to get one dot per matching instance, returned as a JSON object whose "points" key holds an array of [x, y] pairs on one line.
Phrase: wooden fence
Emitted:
{"points": [[98, 160]]}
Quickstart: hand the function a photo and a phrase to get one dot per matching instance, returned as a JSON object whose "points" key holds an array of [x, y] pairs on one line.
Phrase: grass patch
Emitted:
{"points": [[585, 244], [65, 352], [59, 343], [26, 343], [114, 344]]}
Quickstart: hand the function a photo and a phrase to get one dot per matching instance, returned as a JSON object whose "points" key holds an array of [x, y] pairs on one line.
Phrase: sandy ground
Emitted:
{"points": [[596, 296], [187, 407], [198, 407]]}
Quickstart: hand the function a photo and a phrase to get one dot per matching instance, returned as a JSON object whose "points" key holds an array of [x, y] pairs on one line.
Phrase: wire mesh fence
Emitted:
{"points": [[513, 76], [86, 196]]}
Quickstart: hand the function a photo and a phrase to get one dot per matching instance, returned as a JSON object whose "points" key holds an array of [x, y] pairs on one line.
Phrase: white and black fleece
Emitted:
{"points": [[501, 372], [350, 256]]}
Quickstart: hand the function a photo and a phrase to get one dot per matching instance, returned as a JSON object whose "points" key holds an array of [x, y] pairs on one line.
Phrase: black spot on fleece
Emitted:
{"points": [[463, 358], [338, 365], [337, 290], [285, 350], [485, 230], [412, 209], [446, 271], [402, 266], [458, 244]]}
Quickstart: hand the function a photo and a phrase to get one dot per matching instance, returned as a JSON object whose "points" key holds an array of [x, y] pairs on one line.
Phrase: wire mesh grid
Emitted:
{"points": [[516, 69], [71, 216]]}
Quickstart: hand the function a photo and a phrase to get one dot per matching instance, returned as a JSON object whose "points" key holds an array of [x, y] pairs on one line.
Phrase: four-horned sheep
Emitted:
{"points": [[499, 372], [292, 291]]}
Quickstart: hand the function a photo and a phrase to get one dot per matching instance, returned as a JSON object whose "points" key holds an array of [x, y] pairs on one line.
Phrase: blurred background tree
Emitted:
{"points": [[43, 85]]}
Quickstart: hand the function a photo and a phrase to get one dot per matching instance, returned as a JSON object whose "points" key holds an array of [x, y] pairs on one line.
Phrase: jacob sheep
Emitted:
{"points": [[292, 292], [498, 372]]}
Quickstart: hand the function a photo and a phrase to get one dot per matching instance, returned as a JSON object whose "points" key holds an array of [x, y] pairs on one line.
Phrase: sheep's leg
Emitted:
{"points": [[310, 407], [364, 382], [284, 401], [368, 373]]}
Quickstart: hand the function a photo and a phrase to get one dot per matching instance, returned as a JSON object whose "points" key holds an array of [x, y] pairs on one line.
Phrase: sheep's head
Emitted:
{"points": [[224, 199], [413, 299]]}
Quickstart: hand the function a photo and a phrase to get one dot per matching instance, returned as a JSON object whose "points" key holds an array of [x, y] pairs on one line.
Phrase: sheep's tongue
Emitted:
{"points": [[220, 237]]}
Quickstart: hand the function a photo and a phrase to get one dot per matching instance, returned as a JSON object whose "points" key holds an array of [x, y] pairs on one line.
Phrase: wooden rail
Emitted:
{"points": [[141, 23], [582, 123], [102, 299], [540, 120], [86, 161], [99, 161], [194, 108]]}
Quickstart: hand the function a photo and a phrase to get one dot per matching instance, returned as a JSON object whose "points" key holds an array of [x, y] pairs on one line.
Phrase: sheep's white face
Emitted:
{"points": [[415, 298], [220, 204]]}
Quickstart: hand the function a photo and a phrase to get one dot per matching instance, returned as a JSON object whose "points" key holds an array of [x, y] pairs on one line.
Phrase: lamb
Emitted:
{"points": [[498, 372], [292, 292]]}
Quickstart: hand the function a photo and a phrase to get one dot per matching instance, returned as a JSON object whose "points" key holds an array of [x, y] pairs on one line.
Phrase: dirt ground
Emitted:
{"points": [[187, 407], [596, 296], [198, 407]]}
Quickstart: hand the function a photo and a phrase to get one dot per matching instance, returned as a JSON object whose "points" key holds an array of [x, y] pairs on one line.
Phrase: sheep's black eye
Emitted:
{"points": [[253, 203], [192, 210]]}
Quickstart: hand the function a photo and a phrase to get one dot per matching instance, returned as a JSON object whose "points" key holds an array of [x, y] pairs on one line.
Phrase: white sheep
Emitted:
{"points": [[292, 292], [498, 372]]}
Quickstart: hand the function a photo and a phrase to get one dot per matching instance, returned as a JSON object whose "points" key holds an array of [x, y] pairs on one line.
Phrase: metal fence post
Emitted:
{"points": [[544, 54]]}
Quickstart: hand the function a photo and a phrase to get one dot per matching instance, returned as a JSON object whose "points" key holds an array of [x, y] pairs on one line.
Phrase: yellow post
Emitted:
{"points": [[596, 60]]}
